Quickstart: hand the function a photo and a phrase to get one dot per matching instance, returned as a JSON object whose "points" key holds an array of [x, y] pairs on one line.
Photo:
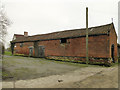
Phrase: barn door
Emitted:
{"points": [[41, 51], [30, 51]]}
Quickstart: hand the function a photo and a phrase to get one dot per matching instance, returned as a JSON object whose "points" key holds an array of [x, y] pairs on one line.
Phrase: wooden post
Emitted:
{"points": [[87, 59], [12, 47], [36, 48]]}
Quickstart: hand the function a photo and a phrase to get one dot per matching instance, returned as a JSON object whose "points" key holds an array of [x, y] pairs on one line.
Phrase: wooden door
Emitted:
{"points": [[112, 52], [30, 51], [41, 50]]}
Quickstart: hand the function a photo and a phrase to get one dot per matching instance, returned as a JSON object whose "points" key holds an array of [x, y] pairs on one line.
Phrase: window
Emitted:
{"points": [[63, 40], [21, 44]]}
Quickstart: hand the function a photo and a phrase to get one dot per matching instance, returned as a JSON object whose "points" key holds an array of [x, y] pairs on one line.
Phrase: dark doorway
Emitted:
{"points": [[112, 53], [30, 51], [41, 50]]}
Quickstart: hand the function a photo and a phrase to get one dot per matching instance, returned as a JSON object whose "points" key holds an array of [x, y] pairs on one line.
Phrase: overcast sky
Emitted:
{"points": [[45, 16]]}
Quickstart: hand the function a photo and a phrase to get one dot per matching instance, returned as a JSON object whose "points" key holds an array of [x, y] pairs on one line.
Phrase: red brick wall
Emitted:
{"points": [[24, 49], [98, 47], [113, 40]]}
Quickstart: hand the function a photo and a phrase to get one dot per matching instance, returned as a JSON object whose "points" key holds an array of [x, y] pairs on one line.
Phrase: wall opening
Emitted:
{"points": [[63, 40], [112, 53], [21, 44]]}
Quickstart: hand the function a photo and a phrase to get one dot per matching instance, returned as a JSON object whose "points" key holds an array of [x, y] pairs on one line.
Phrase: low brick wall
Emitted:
{"points": [[92, 60]]}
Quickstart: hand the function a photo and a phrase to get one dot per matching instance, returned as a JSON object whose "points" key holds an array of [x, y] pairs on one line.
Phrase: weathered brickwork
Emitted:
{"points": [[77, 47], [92, 60], [113, 41], [24, 49]]}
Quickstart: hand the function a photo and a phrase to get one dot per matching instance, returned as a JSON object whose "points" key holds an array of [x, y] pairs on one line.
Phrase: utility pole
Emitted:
{"points": [[87, 59]]}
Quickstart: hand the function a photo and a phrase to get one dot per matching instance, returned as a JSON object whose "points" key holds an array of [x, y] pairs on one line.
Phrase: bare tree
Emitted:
{"points": [[4, 23]]}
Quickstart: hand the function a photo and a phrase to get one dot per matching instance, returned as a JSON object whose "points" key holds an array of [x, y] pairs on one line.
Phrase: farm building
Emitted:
{"points": [[70, 44]]}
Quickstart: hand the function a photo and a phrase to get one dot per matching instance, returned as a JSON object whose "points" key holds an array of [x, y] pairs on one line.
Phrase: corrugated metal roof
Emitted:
{"points": [[98, 30]]}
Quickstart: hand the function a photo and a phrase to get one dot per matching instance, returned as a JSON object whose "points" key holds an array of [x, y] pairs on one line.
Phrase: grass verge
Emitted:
{"points": [[8, 53]]}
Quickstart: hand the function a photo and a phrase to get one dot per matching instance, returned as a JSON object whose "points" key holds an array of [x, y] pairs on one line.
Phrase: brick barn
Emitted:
{"points": [[70, 45]]}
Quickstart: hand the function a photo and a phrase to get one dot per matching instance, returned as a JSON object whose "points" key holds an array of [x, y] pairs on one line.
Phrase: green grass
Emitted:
{"points": [[8, 53], [5, 74], [19, 55]]}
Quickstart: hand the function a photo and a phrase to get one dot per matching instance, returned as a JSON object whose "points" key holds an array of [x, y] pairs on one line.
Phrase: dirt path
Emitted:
{"points": [[88, 77]]}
